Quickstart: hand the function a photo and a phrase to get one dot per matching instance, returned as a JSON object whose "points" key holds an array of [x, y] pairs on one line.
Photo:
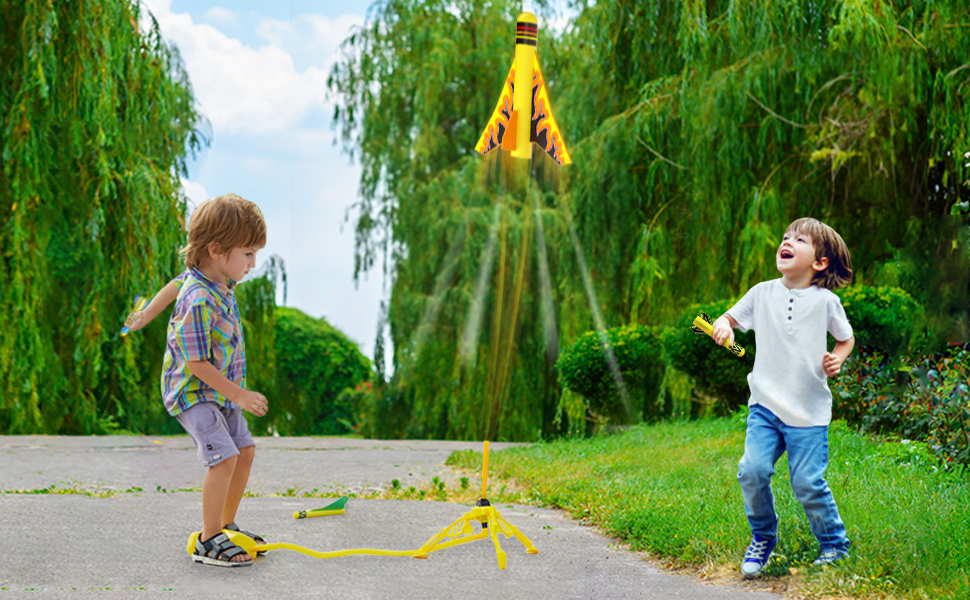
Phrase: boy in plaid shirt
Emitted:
{"points": [[204, 372]]}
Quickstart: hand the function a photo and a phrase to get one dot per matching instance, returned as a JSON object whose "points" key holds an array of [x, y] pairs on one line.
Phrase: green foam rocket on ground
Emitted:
{"points": [[334, 508]]}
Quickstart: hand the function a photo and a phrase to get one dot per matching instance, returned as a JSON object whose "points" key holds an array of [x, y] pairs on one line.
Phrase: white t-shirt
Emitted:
{"points": [[790, 331]]}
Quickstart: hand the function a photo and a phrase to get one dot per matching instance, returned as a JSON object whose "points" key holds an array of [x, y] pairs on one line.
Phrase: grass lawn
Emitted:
{"points": [[671, 489]]}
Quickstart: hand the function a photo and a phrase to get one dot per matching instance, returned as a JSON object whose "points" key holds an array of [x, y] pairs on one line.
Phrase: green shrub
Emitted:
{"points": [[882, 317], [716, 370], [928, 401], [357, 401], [384, 411], [256, 298], [584, 370], [863, 378], [316, 362], [948, 399]]}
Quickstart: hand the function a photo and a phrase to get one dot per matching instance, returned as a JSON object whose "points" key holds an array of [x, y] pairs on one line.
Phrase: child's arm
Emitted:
{"points": [[724, 329], [163, 298], [832, 361], [250, 401]]}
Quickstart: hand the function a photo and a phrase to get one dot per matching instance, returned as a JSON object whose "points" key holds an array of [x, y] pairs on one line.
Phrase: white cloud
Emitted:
{"points": [[273, 31], [310, 35], [195, 192], [220, 15], [558, 23], [239, 88]]}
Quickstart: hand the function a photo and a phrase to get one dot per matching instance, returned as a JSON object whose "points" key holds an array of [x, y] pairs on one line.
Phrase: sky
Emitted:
{"points": [[259, 70]]}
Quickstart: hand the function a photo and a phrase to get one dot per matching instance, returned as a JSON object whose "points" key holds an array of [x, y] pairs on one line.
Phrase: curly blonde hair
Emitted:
{"points": [[828, 244], [229, 220]]}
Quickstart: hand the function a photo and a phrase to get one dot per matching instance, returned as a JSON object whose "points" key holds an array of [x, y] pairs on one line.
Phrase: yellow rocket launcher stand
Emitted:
{"points": [[491, 521], [459, 532]]}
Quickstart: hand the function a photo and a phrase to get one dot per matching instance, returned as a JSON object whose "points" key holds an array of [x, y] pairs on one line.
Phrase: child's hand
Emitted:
{"points": [[722, 331], [134, 321], [252, 402], [831, 364]]}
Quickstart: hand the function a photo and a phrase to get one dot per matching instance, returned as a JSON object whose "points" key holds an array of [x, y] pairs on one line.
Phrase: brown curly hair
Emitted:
{"points": [[229, 220]]}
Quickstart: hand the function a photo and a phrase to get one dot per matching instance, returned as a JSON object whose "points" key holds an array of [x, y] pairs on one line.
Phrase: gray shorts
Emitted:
{"points": [[218, 432]]}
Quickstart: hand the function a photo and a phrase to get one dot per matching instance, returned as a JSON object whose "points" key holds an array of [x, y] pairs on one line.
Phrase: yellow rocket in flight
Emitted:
{"points": [[524, 114]]}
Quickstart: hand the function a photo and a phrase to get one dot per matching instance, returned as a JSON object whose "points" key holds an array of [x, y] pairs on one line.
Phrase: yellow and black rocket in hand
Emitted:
{"points": [[524, 114], [702, 324]]}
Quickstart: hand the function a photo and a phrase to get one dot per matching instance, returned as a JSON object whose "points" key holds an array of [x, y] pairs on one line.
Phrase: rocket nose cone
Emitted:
{"points": [[526, 30]]}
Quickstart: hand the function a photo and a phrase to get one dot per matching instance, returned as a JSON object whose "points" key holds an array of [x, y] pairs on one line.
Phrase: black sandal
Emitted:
{"points": [[219, 551], [255, 537]]}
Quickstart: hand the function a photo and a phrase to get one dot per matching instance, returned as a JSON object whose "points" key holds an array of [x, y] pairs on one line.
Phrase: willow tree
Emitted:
{"points": [[723, 121], [698, 131], [97, 118], [414, 91]]}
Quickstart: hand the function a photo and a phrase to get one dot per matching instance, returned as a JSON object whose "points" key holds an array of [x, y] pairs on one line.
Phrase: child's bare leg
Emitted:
{"points": [[237, 485], [215, 490]]}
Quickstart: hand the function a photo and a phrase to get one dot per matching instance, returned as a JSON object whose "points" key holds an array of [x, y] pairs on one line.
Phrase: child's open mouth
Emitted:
{"points": [[786, 253]]}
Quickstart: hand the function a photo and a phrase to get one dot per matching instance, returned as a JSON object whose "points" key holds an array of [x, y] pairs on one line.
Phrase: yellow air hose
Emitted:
{"points": [[459, 532], [251, 547]]}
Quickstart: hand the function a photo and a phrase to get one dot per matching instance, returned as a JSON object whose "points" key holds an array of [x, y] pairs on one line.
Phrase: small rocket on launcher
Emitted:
{"points": [[524, 114]]}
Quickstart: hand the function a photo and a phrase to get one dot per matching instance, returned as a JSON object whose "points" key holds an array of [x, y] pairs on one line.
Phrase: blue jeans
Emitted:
{"points": [[766, 440]]}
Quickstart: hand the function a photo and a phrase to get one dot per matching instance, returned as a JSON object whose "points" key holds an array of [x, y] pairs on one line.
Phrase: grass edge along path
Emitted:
{"points": [[671, 489]]}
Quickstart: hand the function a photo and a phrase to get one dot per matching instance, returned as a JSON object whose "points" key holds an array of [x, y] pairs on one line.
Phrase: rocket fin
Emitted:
{"points": [[509, 141], [498, 124], [545, 131]]}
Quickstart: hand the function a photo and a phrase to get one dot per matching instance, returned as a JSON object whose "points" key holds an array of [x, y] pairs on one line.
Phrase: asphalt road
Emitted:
{"points": [[78, 545]]}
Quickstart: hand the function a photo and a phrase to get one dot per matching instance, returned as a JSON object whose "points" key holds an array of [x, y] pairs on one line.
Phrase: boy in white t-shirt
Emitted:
{"points": [[790, 404]]}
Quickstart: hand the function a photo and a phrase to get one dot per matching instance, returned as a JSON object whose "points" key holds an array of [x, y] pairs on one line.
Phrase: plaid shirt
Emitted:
{"points": [[205, 325]]}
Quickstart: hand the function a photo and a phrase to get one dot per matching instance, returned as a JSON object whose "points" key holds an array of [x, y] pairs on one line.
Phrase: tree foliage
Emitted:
{"points": [[97, 118], [415, 86], [767, 112], [316, 363], [698, 131]]}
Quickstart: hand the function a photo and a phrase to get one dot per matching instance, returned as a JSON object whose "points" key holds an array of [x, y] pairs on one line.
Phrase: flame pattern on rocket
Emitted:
{"points": [[540, 126]]}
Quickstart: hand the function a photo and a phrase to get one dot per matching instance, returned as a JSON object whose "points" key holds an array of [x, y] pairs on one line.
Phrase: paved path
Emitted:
{"points": [[133, 544]]}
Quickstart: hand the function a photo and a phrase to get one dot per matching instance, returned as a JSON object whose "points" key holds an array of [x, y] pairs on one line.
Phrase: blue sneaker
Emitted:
{"points": [[829, 557], [757, 555]]}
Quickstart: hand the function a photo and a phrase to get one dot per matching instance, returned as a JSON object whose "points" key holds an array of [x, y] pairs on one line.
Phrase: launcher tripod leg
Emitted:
{"points": [[510, 530], [493, 526], [458, 532]]}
